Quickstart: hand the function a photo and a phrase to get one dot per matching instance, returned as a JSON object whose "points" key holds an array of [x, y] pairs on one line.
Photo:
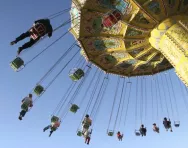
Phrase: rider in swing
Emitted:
{"points": [[39, 29], [119, 136], [27, 103], [53, 127], [86, 123]]}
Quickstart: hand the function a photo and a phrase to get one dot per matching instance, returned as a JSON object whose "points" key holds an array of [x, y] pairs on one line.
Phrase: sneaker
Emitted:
{"points": [[20, 118], [13, 42]]}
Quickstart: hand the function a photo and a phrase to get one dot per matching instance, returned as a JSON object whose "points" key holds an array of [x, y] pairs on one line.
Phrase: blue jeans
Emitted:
{"points": [[22, 113]]}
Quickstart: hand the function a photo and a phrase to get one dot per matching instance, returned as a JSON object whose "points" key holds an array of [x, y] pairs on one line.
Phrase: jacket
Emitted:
{"points": [[48, 26]]}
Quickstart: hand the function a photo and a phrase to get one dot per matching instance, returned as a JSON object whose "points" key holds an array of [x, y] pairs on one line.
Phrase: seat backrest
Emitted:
{"points": [[86, 125], [79, 72], [75, 106], [79, 133], [110, 133], [54, 119], [176, 123], [24, 106], [137, 134]]}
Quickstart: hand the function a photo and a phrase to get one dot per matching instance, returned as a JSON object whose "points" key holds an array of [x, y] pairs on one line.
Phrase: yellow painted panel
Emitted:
{"points": [[176, 57], [180, 36]]}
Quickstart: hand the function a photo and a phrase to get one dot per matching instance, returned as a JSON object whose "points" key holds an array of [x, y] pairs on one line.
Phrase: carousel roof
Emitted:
{"points": [[123, 49]]}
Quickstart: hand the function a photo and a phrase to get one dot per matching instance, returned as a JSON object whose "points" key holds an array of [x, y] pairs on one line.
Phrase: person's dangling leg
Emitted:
{"points": [[120, 138], [21, 37], [88, 140], [141, 132], [22, 114], [27, 45], [83, 131], [51, 133], [46, 128], [157, 129]]}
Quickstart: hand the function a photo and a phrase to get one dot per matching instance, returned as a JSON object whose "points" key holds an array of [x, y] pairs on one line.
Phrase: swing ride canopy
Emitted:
{"points": [[129, 47]]}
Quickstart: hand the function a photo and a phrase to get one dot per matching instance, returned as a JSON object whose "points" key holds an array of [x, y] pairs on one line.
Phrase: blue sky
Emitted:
{"points": [[16, 17]]}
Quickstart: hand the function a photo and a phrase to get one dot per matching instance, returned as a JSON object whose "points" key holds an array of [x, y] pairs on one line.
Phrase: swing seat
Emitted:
{"points": [[74, 108], [17, 63], [76, 74], [110, 133], [111, 19], [53, 129], [54, 119], [79, 133], [24, 106], [86, 126], [176, 123], [137, 132], [38, 90]]}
